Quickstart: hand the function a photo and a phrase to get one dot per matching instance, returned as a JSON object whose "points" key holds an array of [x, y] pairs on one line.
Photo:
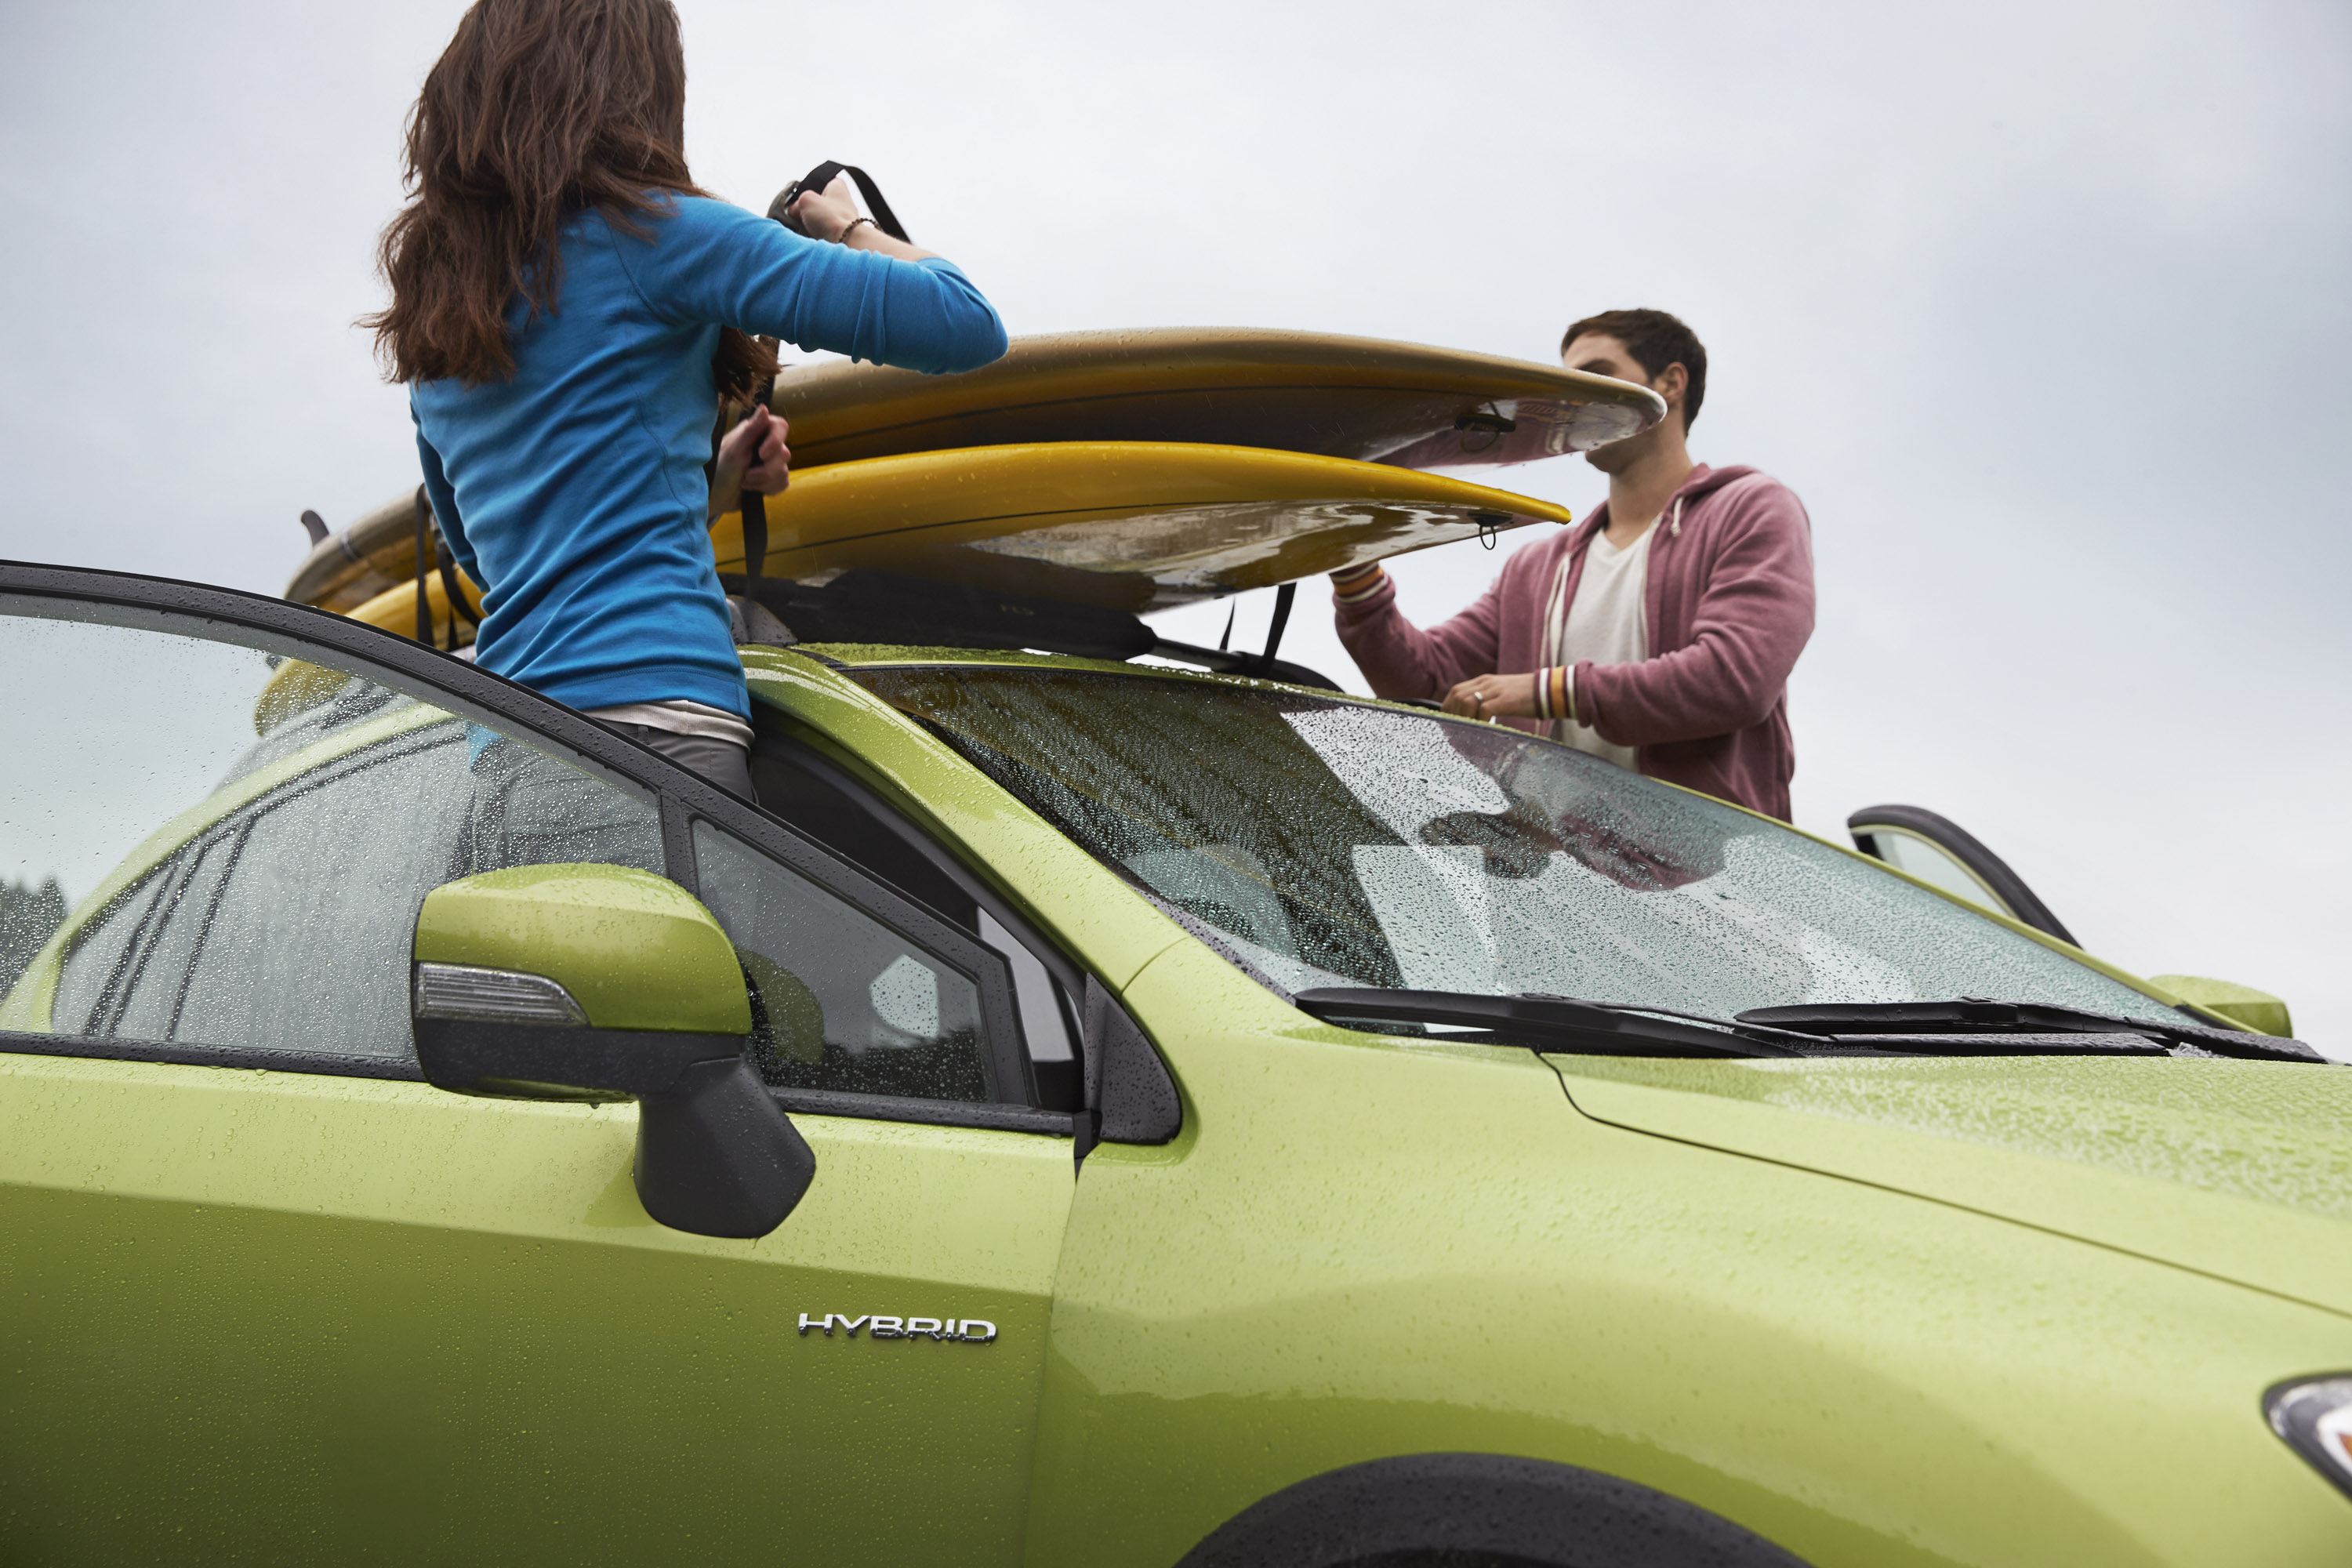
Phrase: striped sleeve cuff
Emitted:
{"points": [[1354, 587]]}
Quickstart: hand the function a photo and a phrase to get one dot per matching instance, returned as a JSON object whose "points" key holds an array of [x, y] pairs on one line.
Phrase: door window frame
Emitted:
{"points": [[782, 737], [682, 797]]}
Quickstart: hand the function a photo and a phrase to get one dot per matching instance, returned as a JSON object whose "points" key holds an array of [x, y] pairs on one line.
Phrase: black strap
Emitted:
{"points": [[755, 531], [424, 555], [1283, 597], [754, 505], [457, 604], [824, 174], [433, 551]]}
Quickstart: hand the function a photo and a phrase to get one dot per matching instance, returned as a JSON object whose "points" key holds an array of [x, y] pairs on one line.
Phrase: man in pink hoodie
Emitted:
{"points": [[1660, 632]]}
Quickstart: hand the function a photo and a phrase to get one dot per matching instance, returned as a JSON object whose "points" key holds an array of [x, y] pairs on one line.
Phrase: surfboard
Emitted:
{"points": [[1128, 525], [1117, 525], [346, 569], [1402, 405], [394, 609], [1375, 400]]}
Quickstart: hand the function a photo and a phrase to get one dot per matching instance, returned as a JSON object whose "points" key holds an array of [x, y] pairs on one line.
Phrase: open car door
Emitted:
{"points": [[1948, 857], [372, 1319]]}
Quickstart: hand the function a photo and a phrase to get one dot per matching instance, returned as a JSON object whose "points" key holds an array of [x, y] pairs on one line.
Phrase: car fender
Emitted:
{"points": [[1364, 1247]]}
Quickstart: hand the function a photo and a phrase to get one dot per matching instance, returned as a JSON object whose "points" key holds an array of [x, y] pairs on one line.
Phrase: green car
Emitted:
{"points": [[1089, 1111]]}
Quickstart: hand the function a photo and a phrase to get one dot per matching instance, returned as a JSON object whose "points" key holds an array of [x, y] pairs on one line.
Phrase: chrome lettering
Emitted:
{"points": [[879, 1326]]}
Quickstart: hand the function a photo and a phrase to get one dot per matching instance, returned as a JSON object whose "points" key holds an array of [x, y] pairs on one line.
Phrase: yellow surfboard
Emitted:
{"points": [[345, 570], [1403, 404], [1132, 526], [1127, 525]]}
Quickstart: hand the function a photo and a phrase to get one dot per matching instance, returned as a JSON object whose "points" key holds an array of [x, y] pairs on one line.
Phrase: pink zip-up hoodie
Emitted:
{"points": [[1729, 606]]}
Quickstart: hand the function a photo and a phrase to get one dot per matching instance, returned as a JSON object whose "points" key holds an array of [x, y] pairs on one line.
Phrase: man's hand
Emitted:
{"points": [[1494, 696], [752, 455]]}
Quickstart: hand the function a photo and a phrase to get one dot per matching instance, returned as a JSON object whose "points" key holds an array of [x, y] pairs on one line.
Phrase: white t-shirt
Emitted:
{"points": [[679, 716], [1605, 624]]}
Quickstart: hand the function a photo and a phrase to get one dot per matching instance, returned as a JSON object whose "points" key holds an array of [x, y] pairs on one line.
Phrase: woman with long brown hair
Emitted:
{"points": [[568, 310]]}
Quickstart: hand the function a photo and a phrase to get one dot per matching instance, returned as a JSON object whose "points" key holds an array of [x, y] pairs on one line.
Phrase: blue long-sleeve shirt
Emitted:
{"points": [[574, 492]]}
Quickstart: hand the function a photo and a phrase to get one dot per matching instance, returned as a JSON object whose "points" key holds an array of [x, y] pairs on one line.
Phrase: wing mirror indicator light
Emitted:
{"points": [[2315, 1417], [493, 996]]}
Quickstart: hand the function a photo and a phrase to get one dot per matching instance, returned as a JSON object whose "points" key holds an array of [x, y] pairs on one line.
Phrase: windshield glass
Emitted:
{"points": [[1325, 842]]}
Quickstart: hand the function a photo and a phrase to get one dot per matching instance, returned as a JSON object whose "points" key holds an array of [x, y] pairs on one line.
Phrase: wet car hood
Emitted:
{"points": [[2240, 1169]]}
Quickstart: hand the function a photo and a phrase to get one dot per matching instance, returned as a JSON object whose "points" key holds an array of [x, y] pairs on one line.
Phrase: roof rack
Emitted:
{"points": [[865, 607]]}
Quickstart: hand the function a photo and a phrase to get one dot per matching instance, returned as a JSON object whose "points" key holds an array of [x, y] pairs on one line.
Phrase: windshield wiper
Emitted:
{"points": [[1552, 1023], [1971, 1025], [1965, 1028]]}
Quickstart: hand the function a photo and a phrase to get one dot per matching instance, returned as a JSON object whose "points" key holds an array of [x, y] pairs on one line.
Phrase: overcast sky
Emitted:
{"points": [[2042, 307]]}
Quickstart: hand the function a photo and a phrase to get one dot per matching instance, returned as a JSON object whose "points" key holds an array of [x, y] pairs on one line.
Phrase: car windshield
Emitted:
{"points": [[1323, 842]]}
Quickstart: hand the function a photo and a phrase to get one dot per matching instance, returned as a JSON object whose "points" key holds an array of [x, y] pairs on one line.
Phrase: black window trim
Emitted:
{"points": [[999, 1117], [323, 1064], [682, 795]]}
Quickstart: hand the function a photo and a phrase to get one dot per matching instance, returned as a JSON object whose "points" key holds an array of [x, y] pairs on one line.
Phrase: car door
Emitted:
{"points": [[270, 1295], [1950, 858]]}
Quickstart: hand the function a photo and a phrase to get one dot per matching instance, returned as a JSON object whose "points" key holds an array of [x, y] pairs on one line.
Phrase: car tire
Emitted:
{"points": [[1478, 1510]]}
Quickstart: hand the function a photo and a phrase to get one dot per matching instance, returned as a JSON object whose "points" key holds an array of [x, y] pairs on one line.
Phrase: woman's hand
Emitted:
{"points": [[1494, 696], [825, 213], [829, 212], [752, 455]]}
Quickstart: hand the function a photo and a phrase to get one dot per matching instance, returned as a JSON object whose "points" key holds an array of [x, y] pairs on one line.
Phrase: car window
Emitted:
{"points": [[843, 1002], [29, 913], [796, 787], [241, 832], [1932, 865], [316, 905], [1322, 842]]}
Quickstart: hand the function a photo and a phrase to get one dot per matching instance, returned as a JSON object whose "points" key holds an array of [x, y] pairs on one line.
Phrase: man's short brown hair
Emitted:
{"points": [[1655, 340]]}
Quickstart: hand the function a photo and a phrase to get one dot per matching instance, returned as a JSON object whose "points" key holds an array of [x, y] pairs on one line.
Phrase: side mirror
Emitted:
{"points": [[608, 981], [2257, 1011]]}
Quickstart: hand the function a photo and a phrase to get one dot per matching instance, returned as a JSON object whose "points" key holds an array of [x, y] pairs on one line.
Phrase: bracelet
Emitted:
{"points": [[849, 228], [1556, 693], [1354, 587]]}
